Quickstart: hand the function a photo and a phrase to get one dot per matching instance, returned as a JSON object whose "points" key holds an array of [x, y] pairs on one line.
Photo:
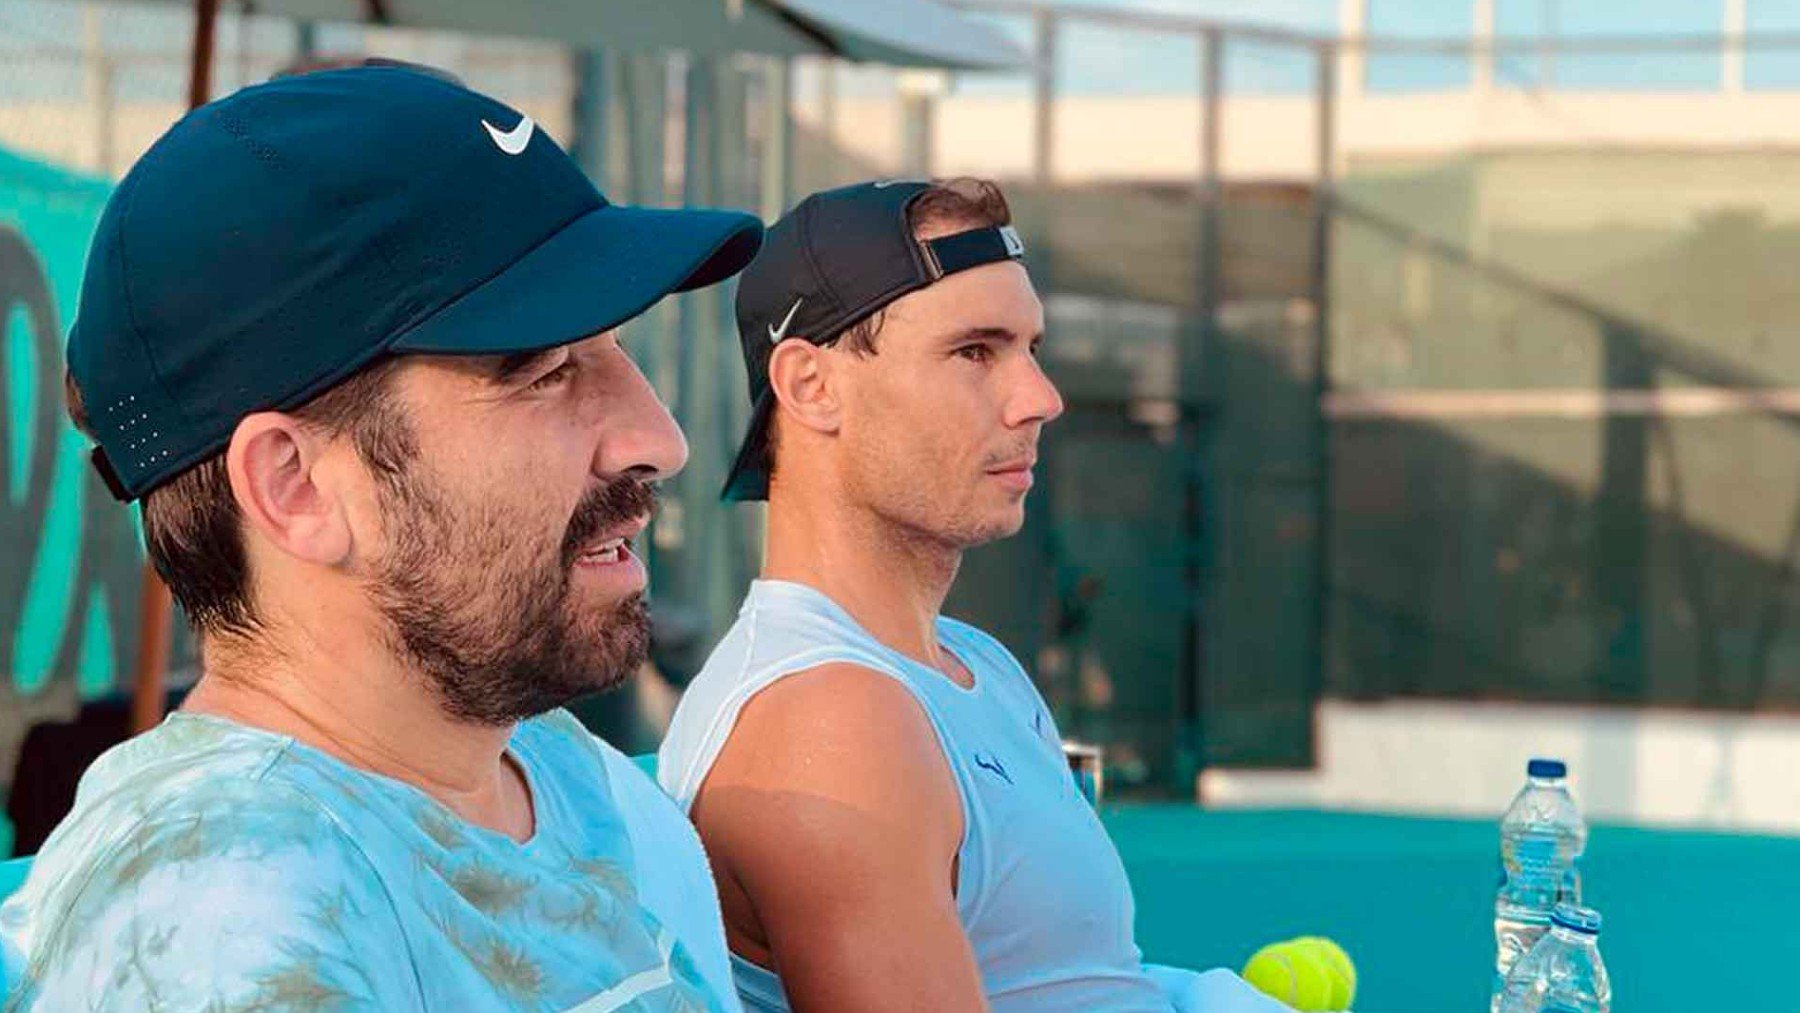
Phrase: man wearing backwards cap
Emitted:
{"points": [[881, 789], [350, 338]]}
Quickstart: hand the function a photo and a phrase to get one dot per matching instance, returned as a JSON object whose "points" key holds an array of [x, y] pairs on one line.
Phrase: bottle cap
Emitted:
{"points": [[1584, 920], [1546, 768]]}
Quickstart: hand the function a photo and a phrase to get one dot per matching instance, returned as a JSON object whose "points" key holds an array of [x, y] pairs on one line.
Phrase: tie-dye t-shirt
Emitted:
{"points": [[211, 866]]}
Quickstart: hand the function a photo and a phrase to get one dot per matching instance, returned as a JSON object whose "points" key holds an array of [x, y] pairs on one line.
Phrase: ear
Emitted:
{"points": [[805, 382], [274, 464]]}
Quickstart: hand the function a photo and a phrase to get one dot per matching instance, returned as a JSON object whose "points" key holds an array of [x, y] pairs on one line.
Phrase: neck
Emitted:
{"points": [[331, 682], [892, 581]]}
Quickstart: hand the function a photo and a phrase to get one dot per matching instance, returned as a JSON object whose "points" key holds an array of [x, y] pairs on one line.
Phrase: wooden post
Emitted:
{"points": [[206, 18]]}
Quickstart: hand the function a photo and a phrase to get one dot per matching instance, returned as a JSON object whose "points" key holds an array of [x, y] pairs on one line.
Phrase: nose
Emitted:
{"points": [[1035, 399], [637, 436]]}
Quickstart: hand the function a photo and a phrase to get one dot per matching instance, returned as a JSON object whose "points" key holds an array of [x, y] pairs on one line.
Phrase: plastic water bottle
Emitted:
{"points": [[1563, 973], [1542, 836]]}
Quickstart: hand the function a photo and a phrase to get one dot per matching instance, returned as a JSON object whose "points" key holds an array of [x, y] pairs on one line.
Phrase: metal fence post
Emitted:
{"points": [[1191, 702], [778, 138], [589, 141], [1043, 91], [1327, 70]]}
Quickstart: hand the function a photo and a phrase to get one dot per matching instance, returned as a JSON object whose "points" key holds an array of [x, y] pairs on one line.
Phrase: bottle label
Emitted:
{"points": [[1535, 854]]}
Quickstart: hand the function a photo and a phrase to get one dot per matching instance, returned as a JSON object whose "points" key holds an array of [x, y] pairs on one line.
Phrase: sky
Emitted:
{"points": [[1096, 59]]}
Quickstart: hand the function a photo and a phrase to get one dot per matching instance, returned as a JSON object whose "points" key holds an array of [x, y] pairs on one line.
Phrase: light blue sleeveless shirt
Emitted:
{"points": [[1041, 892]]}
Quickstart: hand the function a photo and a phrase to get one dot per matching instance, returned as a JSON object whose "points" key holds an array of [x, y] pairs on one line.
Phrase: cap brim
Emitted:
{"points": [[749, 476], [601, 270]]}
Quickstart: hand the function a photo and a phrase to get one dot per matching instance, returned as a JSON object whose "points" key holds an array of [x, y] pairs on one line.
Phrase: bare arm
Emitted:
{"points": [[833, 822]]}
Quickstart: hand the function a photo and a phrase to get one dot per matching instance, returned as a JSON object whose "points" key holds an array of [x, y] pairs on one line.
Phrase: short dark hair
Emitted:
{"points": [[193, 531]]}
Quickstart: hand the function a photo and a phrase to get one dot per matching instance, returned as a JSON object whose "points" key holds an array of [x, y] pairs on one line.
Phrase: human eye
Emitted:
{"points": [[977, 352], [555, 377]]}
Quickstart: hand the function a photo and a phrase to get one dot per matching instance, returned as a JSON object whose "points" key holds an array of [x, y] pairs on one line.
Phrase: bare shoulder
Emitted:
{"points": [[840, 749], [833, 823]]}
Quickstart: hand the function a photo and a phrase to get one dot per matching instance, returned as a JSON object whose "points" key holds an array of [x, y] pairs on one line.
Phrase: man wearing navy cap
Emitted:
{"points": [[881, 789], [350, 339]]}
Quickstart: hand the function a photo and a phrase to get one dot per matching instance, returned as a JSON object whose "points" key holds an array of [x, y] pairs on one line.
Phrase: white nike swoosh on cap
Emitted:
{"points": [[776, 335], [511, 141]]}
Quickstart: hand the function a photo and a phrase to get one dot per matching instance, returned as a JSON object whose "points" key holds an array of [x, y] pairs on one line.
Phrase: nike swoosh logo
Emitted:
{"points": [[511, 141], [776, 335]]}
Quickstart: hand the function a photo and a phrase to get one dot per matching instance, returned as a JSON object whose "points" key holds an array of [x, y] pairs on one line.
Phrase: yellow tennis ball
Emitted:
{"points": [[1340, 966], [1292, 974], [1272, 974]]}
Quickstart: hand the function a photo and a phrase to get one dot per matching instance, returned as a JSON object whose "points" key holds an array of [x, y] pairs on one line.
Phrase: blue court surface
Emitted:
{"points": [[1694, 921]]}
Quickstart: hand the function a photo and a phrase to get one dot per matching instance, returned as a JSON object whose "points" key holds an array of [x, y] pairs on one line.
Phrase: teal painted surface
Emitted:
{"points": [[21, 398], [12, 874], [50, 597], [646, 762], [69, 555], [94, 669], [1411, 899]]}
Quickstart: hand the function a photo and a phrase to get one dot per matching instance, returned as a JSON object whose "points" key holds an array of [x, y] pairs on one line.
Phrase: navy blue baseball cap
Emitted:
{"points": [[835, 259], [276, 241]]}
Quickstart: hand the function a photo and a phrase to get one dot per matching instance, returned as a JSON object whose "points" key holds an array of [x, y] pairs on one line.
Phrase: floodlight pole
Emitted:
{"points": [[155, 609]]}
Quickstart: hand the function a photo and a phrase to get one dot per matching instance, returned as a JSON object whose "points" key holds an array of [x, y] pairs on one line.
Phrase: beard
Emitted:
{"points": [[486, 610]]}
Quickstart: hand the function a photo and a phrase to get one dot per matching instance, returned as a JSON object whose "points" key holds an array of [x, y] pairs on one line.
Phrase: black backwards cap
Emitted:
{"points": [[834, 260]]}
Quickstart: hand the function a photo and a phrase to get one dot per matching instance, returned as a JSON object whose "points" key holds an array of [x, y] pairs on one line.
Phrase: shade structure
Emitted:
{"points": [[902, 33]]}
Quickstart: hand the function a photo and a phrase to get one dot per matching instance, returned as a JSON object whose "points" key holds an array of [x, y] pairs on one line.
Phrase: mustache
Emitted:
{"points": [[997, 458], [615, 503]]}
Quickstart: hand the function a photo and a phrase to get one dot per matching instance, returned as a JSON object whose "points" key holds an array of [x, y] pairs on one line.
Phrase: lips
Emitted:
{"points": [[1014, 475], [1021, 464], [612, 546], [610, 551]]}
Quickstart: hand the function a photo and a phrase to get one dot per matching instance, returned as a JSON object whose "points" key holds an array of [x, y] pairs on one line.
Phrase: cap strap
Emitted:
{"points": [[950, 254]]}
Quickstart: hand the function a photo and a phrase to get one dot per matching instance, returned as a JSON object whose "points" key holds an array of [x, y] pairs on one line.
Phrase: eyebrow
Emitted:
{"points": [[509, 367], [990, 334]]}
